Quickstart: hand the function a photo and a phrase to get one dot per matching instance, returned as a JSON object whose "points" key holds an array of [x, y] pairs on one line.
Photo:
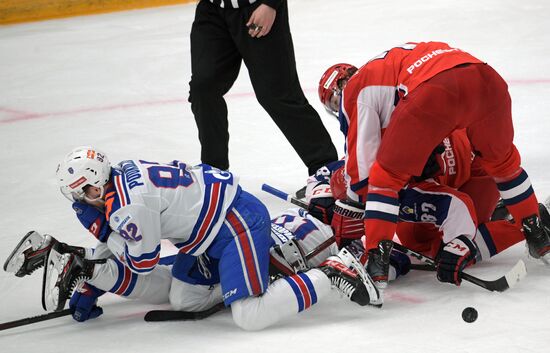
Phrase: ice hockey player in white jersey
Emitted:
{"points": [[219, 229]]}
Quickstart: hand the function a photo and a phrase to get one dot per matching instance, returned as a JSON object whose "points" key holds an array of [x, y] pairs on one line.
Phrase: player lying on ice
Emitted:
{"points": [[223, 234], [395, 110]]}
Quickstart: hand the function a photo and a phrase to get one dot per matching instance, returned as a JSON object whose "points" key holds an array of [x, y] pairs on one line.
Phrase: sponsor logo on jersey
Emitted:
{"points": [[449, 154], [428, 57], [229, 293], [407, 210], [123, 223]]}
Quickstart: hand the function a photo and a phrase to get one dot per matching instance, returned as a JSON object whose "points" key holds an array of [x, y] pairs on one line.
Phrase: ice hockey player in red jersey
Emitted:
{"points": [[396, 109], [448, 200]]}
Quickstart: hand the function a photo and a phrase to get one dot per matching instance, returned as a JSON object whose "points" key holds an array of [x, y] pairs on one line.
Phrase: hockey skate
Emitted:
{"points": [[30, 254], [378, 266], [33, 250], [537, 234], [62, 274], [357, 287]]}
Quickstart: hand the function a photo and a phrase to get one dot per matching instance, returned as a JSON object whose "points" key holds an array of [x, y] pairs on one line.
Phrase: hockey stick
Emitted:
{"points": [[501, 284], [283, 195], [34, 319], [176, 315]]}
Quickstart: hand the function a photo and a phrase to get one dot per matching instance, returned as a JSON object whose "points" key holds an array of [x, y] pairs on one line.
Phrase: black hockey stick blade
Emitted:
{"points": [[509, 280], [301, 194], [501, 284], [175, 315], [34, 319]]}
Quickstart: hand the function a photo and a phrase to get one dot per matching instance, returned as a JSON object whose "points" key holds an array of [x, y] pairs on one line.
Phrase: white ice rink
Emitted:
{"points": [[120, 82]]}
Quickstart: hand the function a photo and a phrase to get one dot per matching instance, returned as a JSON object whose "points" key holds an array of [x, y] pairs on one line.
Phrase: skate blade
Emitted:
{"points": [[32, 240], [52, 270]]}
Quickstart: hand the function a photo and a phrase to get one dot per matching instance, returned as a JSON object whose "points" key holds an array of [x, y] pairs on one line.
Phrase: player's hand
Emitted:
{"points": [[260, 22], [321, 202], [83, 303], [453, 258]]}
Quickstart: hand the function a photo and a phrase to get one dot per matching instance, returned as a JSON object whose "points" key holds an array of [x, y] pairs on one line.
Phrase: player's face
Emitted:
{"points": [[334, 102], [94, 196]]}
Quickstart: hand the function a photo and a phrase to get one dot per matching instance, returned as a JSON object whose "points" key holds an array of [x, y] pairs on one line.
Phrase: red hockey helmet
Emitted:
{"points": [[331, 85]]}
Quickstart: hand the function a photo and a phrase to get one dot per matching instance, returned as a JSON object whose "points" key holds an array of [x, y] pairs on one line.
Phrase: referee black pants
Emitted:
{"points": [[219, 43]]}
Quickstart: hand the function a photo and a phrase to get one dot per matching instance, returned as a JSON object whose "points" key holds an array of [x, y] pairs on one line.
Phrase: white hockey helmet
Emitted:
{"points": [[83, 166]]}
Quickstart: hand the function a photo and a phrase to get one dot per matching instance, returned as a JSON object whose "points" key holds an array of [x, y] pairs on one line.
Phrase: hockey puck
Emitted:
{"points": [[469, 314]]}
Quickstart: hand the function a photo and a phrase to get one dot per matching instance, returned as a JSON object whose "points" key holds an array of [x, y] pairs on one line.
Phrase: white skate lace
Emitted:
{"points": [[343, 286]]}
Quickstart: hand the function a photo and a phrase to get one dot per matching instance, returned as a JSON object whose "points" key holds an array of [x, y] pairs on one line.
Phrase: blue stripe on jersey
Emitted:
{"points": [[310, 286], [359, 185], [120, 278], [383, 198], [381, 215], [516, 190], [202, 215], [513, 183], [378, 207], [133, 281], [143, 263], [523, 196], [487, 239], [297, 293]]}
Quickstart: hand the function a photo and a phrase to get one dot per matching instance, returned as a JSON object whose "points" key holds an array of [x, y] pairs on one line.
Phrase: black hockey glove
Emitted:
{"points": [[453, 258], [321, 203], [433, 165]]}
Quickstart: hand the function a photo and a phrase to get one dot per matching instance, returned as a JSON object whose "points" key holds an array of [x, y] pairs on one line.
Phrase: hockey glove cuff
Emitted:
{"points": [[83, 303], [453, 258], [347, 222], [321, 203]]}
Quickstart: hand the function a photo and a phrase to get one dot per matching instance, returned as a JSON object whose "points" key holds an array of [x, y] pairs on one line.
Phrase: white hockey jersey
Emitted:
{"points": [[151, 201]]}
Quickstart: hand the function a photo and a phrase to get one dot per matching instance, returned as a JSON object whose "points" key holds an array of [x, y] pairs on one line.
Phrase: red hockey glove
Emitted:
{"points": [[347, 222]]}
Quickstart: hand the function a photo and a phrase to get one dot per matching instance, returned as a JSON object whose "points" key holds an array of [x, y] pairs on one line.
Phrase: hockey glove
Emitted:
{"points": [[453, 258], [347, 222], [321, 203], [83, 303]]}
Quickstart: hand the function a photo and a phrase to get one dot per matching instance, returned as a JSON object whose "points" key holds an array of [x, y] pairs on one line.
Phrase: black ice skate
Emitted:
{"points": [[62, 274], [30, 254], [32, 251], [378, 263], [537, 234], [345, 280]]}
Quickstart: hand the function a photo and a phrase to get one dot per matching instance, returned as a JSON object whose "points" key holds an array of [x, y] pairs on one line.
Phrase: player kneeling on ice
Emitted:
{"points": [[396, 109], [221, 231]]}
